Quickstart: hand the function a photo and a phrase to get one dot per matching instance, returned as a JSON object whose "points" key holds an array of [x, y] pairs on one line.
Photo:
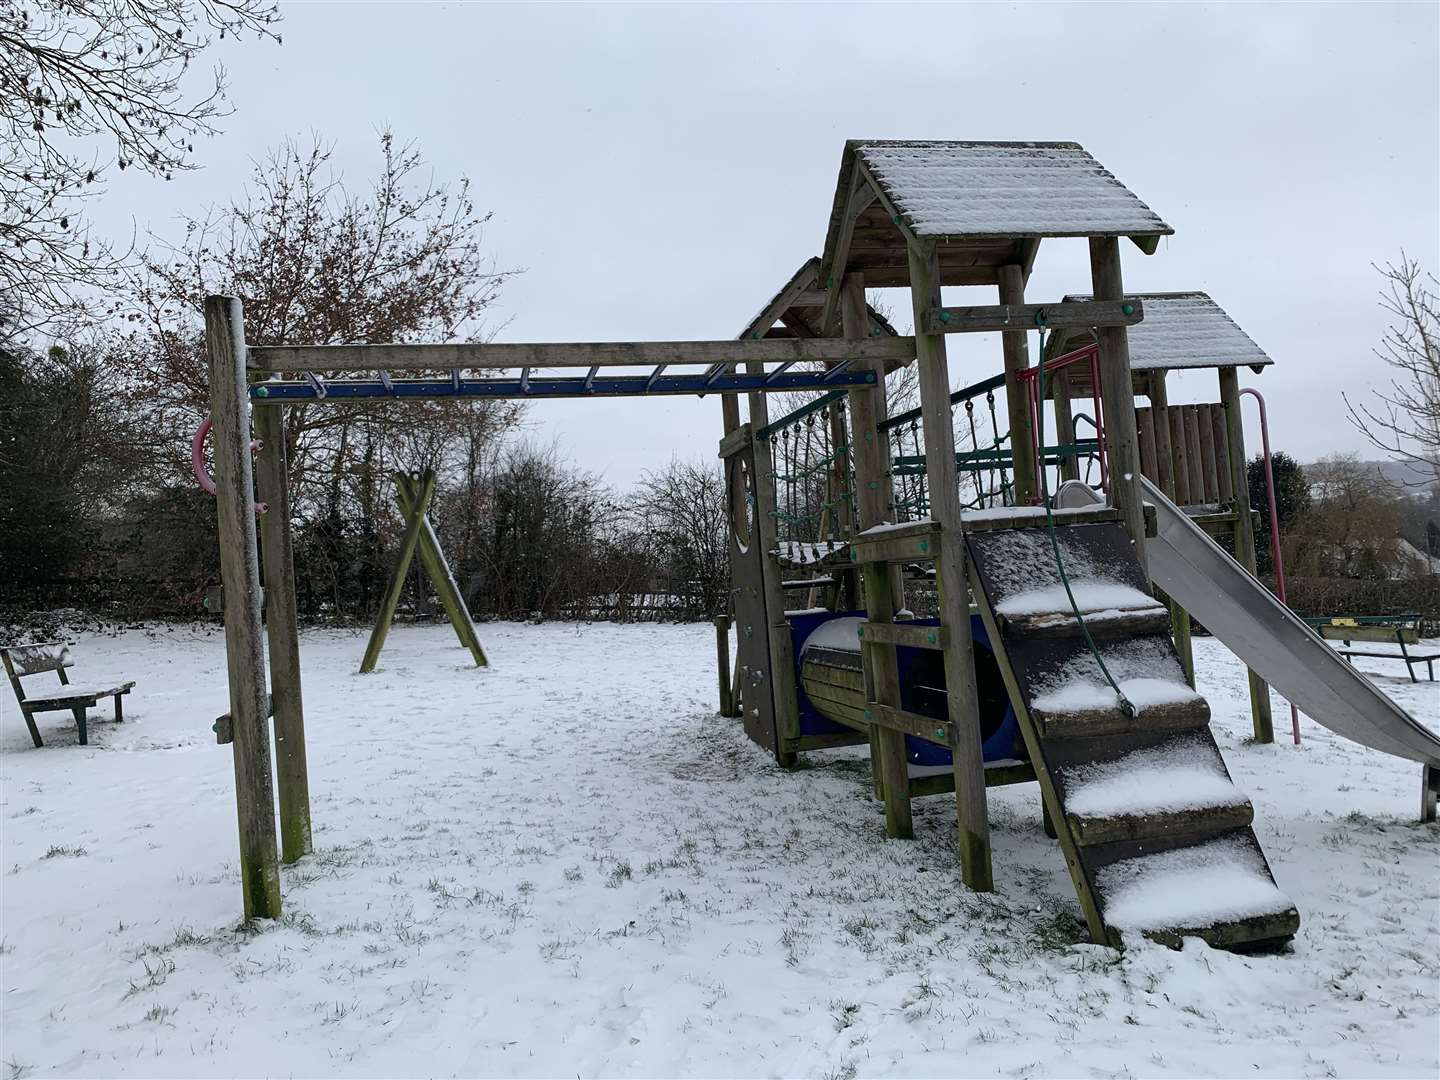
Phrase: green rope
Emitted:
{"points": [[1125, 706]]}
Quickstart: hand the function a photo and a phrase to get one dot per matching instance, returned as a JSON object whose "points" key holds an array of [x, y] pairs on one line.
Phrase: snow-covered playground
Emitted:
{"points": [[568, 864]]}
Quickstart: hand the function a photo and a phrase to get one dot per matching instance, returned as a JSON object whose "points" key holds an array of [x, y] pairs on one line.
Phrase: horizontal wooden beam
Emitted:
{"points": [[922, 727], [904, 634], [495, 356], [1065, 314]]}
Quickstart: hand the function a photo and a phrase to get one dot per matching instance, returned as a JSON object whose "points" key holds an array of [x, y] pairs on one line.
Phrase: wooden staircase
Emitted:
{"points": [[1156, 836]]}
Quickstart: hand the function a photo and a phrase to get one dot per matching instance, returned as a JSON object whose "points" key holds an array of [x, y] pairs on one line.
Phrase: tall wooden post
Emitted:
{"points": [[1159, 396], [1017, 359], [282, 633], [872, 505], [1244, 533], [1117, 395], [240, 575], [951, 580], [780, 649], [1064, 424]]}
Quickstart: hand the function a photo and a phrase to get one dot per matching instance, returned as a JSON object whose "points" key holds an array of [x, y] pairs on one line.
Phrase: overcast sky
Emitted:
{"points": [[659, 171]]}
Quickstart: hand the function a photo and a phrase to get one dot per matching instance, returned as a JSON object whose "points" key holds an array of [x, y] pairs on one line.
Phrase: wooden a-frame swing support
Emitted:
{"points": [[242, 376], [413, 492]]}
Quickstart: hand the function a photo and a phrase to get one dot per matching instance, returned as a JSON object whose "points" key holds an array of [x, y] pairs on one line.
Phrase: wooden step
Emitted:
{"points": [[1094, 723], [1219, 890], [1089, 830], [1111, 623]]}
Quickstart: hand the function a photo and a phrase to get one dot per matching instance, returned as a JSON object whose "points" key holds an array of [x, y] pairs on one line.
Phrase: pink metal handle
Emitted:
{"points": [[197, 460], [1277, 561]]}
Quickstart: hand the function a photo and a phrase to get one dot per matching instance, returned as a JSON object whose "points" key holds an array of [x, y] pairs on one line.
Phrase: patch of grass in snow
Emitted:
{"points": [[1059, 932], [846, 1070], [574, 873], [155, 975], [61, 851], [14, 1070], [619, 874], [159, 1014], [844, 1013]]}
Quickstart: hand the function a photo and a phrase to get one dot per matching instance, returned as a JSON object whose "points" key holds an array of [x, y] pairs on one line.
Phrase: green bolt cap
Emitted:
{"points": [[924, 545], [868, 715], [262, 391], [895, 219], [1128, 309], [859, 631], [944, 316], [930, 638], [940, 733]]}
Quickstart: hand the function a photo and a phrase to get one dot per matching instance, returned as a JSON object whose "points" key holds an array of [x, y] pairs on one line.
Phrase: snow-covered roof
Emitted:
{"points": [[959, 189], [988, 203], [1183, 330]]}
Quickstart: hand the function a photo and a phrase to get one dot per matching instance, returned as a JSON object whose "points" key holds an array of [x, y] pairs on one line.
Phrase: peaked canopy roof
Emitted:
{"points": [[797, 307], [1180, 330], [986, 204]]}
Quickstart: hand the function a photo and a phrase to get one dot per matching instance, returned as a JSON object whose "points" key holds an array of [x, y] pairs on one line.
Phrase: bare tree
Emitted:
{"points": [[682, 506], [79, 80], [1404, 419]]}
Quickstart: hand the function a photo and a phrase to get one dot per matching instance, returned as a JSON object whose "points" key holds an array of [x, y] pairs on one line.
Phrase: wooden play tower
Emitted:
{"points": [[887, 504]]}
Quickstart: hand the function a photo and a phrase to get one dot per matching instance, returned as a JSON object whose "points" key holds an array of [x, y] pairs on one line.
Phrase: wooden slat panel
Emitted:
{"points": [[1145, 424], [1224, 487], [1193, 454], [992, 317], [1208, 468], [1180, 460]]}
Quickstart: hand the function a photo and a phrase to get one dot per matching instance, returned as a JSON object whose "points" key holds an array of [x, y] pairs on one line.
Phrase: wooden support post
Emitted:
{"points": [[952, 580], [437, 568], [1165, 479], [1117, 390], [1064, 425], [782, 683], [1429, 790], [283, 635], [722, 664], [396, 585], [872, 503], [1244, 532], [240, 574], [1017, 397]]}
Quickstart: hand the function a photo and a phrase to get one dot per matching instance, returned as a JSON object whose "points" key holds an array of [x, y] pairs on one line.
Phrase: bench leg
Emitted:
{"points": [[119, 709], [80, 723], [30, 723], [1429, 789]]}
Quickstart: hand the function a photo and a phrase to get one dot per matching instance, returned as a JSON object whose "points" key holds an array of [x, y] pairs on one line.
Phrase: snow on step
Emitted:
{"points": [[1089, 695], [1190, 888], [1169, 778], [1091, 595]]}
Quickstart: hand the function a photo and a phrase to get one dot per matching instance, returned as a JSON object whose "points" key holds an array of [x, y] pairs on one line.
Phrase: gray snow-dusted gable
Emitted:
{"points": [[1188, 330], [1006, 189]]}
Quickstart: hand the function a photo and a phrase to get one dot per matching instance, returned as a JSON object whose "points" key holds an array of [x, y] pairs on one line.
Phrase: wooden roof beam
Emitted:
{"points": [[1073, 313], [508, 355]]}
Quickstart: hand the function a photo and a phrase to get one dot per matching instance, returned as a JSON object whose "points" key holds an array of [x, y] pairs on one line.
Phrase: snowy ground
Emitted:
{"points": [[568, 865]]}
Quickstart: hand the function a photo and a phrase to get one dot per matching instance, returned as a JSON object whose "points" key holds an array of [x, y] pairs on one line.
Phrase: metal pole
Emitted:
{"points": [[1277, 561]]}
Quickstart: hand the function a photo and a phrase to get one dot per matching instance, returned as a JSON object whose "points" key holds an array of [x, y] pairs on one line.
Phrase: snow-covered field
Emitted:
{"points": [[569, 865]]}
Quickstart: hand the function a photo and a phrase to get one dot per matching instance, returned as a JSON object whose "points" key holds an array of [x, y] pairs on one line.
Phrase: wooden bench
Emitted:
{"points": [[37, 657], [1411, 659]]}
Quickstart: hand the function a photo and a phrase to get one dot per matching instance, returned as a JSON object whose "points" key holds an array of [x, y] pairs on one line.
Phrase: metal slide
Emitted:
{"points": [[1274, 642]]}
